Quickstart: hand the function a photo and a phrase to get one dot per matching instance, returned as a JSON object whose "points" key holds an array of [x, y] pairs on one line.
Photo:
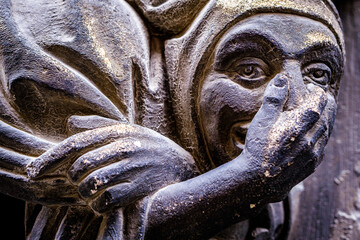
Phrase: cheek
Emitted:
{"points": [[226, 100], [223, 103]]}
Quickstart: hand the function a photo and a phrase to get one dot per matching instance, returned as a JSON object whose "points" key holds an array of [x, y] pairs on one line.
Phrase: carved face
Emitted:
{"points": [[246, 58]]}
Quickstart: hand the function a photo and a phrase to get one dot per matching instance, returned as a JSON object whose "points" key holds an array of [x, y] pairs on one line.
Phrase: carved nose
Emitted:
{"points": [[297, 87]]}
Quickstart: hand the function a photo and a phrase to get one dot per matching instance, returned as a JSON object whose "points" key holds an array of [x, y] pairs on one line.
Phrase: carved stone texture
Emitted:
{"points": [[329, 199], [176, 119]]}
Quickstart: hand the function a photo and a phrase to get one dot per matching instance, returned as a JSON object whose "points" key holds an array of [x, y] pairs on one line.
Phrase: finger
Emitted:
{"points": [[76, 145], [142, 166], [49, 191], [112, 226], [318, 131], [300, 171], [275, 97], [312, 157], [306, 144], [306, 155], [119, 195], [14, 161], [318, 150], [101, 157], [77, 124], [310, 111], [119, 172], [320, 137], [293, 125]]}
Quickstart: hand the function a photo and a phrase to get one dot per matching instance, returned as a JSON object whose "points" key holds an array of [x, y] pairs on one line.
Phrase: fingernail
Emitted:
{"points": [[280, 81]]}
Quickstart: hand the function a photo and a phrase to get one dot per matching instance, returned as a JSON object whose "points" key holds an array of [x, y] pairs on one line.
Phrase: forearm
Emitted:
{"points": [[200, 207]]}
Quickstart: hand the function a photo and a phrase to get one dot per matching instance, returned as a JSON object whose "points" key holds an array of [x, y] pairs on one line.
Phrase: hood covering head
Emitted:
{"points": [[187, 55]]}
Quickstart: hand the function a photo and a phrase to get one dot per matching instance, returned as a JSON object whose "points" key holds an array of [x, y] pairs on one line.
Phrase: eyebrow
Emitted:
{"points": [[323, 51], [253, 39], [244, 43], [243, 37]]}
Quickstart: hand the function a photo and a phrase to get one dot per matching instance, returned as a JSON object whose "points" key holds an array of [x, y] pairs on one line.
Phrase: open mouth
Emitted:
{"points": [[238, 133]]}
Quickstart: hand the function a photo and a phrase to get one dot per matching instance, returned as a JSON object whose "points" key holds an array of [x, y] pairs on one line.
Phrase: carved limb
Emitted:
{"points": [[263, 173]]}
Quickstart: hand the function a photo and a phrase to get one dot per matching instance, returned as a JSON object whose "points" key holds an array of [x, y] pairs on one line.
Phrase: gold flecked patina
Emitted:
{"points": [[230, 5], [319, 10], [292, 121], [222, 15], [236, 5], [317, 37], [97, 45], [123, 116]]}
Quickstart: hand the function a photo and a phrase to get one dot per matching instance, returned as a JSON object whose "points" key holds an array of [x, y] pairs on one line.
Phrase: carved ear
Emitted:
{"points": [[169, 16]]}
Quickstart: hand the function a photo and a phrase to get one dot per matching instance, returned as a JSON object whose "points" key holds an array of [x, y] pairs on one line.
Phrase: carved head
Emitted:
{"points": [[230, 54]]}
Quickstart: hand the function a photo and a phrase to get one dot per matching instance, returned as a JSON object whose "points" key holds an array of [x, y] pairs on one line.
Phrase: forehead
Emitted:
{"points": [[290, 33]]}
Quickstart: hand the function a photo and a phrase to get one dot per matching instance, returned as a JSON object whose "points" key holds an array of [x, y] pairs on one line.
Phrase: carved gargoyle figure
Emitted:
{"points": [[176, 119]]}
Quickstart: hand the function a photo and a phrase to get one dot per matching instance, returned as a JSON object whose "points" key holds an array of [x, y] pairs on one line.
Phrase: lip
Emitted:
{"points": [[238, 133]]}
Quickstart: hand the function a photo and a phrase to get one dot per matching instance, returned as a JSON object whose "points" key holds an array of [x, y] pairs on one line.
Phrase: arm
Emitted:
{"points": [[30, 97], [272, 162], [204, 205], [116, 165], [282, 148]]}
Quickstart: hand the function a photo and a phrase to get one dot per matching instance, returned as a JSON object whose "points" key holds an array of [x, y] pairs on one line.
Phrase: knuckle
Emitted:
{"points": [[107, 197], [311, 116], [280, 81], [272, 100]]}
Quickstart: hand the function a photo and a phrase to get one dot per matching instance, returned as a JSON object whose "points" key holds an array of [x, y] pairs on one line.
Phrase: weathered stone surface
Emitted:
{"points": [[165, 119]]}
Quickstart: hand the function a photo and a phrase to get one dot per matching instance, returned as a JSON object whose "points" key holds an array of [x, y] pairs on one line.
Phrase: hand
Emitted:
{"points": [[287, 145], [114, 166], [17, 149], [49, 190]]}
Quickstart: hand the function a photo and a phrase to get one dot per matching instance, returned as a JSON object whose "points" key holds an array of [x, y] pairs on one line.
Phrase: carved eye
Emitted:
{"points": [[317, 72], [250, 72]]}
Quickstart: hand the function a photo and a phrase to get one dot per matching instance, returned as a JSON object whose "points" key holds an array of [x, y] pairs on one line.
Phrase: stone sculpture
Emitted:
{"points": [[163, 119]]}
